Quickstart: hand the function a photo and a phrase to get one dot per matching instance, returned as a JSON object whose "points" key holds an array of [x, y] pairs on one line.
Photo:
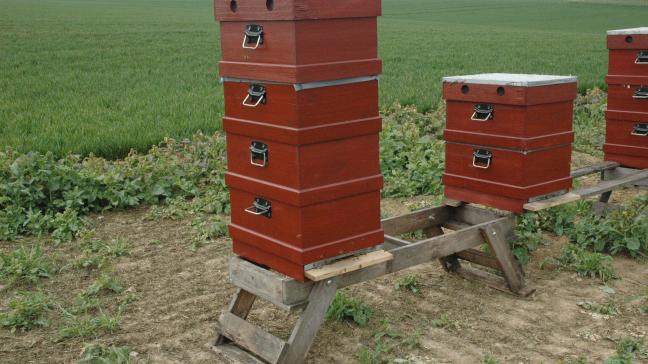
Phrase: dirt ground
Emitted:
{"points": [[181, 293]]}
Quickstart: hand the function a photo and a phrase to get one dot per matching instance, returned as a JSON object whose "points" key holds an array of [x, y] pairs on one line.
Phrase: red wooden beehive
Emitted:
{"points": [[626, 138], [302, 124], [508, 137]]}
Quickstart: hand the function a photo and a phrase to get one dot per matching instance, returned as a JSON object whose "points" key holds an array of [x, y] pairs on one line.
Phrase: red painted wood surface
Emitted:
{"points": [[620, 97], [623, 62], [302, 51], [302, 136], [515, 168], [228, 10], [620, 143], [307, 166], [621, 41], [512, 126], [306, 108], [306, 234], [510, 95]]}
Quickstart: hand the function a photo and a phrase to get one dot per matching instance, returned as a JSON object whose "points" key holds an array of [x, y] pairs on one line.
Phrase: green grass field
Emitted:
{"points": [[102, 77]]}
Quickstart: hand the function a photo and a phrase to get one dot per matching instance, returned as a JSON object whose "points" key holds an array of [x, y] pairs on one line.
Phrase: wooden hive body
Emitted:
{"points": [[626, 138], [508, 137]]}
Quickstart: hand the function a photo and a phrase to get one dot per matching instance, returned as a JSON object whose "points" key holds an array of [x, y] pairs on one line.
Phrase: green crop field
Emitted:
{"points": [[104, 76]]}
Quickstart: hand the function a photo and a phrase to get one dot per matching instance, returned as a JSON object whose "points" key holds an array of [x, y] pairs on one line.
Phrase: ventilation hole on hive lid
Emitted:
{"points": [[233, 5], [465, 89], [270, 4], [629, 39], [501, 91]]}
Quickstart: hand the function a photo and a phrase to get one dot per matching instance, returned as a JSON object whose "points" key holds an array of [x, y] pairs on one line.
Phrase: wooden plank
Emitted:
{"points": [[595, 168], [455, 225], [473, 215], [250, 337], [582, 193], [393, 242], [479, 257], [282, 291], [444, 245], [514, 276], [617, 173], [241, 305], [348, 265], [309, 322], [416, 220], [491, 280], [232, 354]]}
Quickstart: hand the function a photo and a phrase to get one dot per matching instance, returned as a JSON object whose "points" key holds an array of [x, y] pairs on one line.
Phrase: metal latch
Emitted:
{"points": [[256, 95], [258, 152], [253, 35], [260, 207], [640, 130], [642, 58], [482, 158], [483, 112], [641, 93]]}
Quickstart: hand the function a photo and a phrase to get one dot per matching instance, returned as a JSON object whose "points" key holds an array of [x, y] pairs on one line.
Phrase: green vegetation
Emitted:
{"points": [[628, 349], [386, 342], [76, 326], [28, 310], [608, 307], [24, 265], [101, 354], [105, 283], [344, 308], [444, 322], [408, 283], [39, 193], [105, 77], [585, 263], [489, 359]]}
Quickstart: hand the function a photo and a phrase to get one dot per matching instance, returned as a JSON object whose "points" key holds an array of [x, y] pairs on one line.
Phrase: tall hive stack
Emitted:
{"points": [[302, 124], [626, 138], [508, 137]]}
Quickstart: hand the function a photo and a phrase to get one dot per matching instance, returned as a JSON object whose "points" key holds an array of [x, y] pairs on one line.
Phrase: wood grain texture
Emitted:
{"points": [[595, 168], [251, 337], [348, 265], [232, 354], [416, 220], [494, 236]]}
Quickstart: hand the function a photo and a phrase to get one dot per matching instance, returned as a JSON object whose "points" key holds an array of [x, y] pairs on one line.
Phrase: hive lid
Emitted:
{"points": [[511, 79], [642, 30]]}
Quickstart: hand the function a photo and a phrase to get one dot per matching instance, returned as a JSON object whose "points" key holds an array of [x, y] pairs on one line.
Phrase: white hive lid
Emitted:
{"points": [[642, 30], [511, 79]]}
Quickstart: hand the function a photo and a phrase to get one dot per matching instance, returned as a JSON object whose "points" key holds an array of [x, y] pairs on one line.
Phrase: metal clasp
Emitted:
{"points": [[641, 93], [256, 95], [258, 151], [642, 58], [640, 130], [483, 112], [253, 35], [260, 207], [482, 158]]}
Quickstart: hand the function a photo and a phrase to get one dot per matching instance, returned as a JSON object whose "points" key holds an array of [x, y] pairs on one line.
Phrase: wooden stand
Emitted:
{"points": [[453, 233]]}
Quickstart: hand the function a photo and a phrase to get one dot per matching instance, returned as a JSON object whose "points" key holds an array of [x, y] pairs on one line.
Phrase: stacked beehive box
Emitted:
{"points": [[302, 124], [626, 139], [508, 137]]}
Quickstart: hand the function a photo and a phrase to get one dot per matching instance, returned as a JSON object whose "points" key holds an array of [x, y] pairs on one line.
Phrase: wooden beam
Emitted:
{"points": [[348, 265], [309, 322], [620, 172], [232, 354], [416, 220], [392, 242], [241, 305], [514, 276], [586, 192], [595, 168], [250, 337], [479, 257]]}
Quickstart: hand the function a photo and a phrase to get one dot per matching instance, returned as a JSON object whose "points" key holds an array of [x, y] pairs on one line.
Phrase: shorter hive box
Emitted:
{"points": [[508, 137]]}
